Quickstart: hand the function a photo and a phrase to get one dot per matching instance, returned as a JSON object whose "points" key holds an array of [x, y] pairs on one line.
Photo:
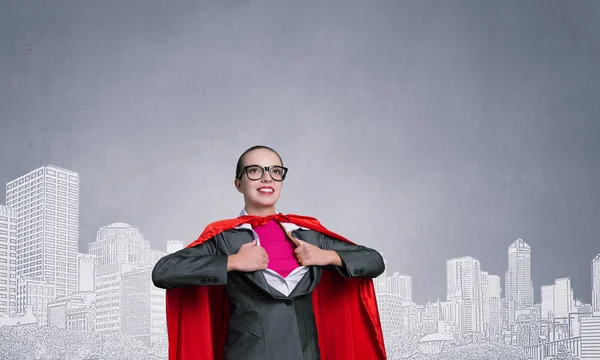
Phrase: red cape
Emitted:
{"points": [[345, 310]]}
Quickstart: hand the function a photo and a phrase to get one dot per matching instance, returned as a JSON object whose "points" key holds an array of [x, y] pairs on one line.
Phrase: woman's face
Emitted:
{"points": [[260, 195]]}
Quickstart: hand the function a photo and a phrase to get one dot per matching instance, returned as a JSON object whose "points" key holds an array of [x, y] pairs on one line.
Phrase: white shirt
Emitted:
{"points": [[284, 285]]}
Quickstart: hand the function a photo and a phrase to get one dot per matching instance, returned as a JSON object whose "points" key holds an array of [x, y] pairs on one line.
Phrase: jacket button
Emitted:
{"points": [[288, 302]]}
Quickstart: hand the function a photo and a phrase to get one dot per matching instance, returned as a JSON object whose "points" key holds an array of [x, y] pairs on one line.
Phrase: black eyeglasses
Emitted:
{"points": [[256, 172]]}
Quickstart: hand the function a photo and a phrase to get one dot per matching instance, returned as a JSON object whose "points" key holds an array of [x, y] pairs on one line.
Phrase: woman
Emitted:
{"points": [[270, 286]]}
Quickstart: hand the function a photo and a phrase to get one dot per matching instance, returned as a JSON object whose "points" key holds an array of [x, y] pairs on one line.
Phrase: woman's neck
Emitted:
{"points": [[260, 211]]}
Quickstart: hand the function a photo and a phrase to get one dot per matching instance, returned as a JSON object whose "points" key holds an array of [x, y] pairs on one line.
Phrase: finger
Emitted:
{"points": [[306, 257], [304, 247], [303, 257], [249, 244], [305, 262], [294, 240], [302, 250]]}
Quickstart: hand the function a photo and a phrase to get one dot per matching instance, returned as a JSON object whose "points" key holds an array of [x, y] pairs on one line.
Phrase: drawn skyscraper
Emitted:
{"points": [[518, 284], [495, 304], [596, 284], [46, 203], [86, 272], [116, 250], [485, 300], [557, 299], [8, 261], [463, 278], [401, 285]]}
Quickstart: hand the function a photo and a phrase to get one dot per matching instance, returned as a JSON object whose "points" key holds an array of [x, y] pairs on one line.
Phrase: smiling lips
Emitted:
{"points": [[266, 190]]}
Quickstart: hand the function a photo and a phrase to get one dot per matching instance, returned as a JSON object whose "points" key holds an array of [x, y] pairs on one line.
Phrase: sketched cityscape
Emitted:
{"points": [[59, 302]]}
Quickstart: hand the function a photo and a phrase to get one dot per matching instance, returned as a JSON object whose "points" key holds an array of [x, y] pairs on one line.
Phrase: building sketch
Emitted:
{"points": [[104, 299], [8, 256], [596, 283], [475, 312], [46, 203]]}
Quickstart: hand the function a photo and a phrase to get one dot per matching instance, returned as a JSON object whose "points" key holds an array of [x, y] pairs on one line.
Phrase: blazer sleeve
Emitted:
{"points": [[357, 260], [199, 265]]}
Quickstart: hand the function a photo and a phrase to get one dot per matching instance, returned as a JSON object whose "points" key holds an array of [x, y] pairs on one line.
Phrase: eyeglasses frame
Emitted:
{"points": [[264, 169]]}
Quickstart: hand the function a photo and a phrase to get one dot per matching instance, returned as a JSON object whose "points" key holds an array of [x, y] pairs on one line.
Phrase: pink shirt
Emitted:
{"points": [[278, 246]]}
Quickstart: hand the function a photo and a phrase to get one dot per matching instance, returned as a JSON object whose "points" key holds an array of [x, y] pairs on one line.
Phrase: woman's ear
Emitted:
{"points": [[238, 185]]}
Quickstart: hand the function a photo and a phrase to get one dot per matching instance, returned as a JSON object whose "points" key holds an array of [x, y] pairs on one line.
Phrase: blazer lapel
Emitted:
{"points": [[300, 234], [234, 243], [258, 278]]}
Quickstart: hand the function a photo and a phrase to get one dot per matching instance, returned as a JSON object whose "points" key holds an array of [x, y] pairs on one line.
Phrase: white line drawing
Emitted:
{"points": [[58, 302]]}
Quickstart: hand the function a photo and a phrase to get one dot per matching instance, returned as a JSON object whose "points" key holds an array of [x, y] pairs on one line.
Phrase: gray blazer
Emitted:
{"points": [[264, 324]]}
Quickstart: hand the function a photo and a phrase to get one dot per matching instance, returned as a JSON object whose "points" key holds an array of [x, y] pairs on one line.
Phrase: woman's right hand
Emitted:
{"points": [[250, 257]]}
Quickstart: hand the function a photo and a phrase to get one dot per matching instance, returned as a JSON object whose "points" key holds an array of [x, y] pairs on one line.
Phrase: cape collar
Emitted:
{"points": [[287, 226]]}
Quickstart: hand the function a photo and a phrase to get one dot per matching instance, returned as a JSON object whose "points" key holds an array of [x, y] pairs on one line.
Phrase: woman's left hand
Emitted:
{"points": [[308, 254]]}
